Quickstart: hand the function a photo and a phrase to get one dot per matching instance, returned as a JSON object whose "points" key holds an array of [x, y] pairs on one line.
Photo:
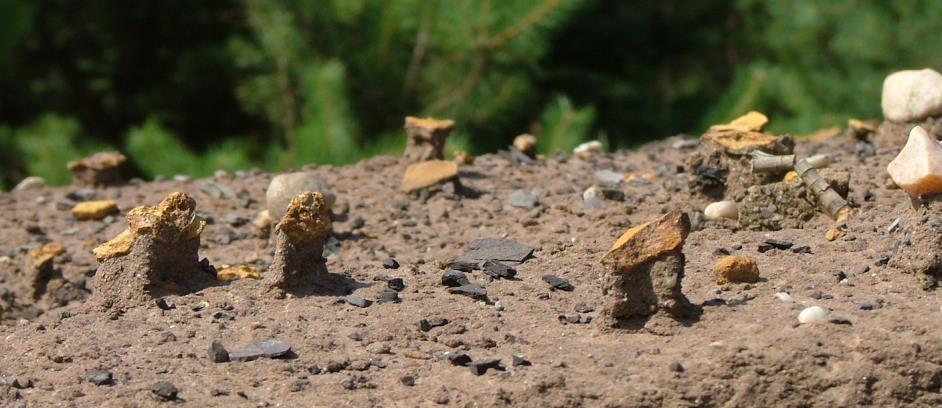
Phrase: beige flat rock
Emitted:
{"points": [[94, 210], [428, 173]]}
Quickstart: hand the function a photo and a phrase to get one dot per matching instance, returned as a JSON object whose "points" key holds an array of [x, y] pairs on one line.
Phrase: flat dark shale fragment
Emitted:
{"points": [[471, 290], [558, 283], [495, 249], [267, 348]]}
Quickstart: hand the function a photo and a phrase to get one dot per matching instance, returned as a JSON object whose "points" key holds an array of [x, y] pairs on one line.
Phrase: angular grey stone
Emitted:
{"points": [[100, 377], [453, 278], [495, 249], [608, 178], [522, 199], [165, 390], [499, 270], [218, 352], [389, 296], [558, 283], [267, 348], [471, 290], [357, 301], [479, 367]]}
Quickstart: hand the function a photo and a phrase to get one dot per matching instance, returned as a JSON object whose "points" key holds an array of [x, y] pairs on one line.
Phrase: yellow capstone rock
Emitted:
{"points": [[172, 220], [750, 122], [428, 173], [525, 143], [647, 241], [736, 269], [307, 217], [45, 253], [94, 210], [790, 176], [232, 272]]}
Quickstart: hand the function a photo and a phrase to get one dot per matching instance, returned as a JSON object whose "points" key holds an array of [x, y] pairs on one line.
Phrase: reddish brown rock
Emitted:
{"points": [[645, 270], [99, 169]]}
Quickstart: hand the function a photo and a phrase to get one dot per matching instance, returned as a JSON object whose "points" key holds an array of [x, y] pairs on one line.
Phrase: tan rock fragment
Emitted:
{"points": [[917, 169], [526, 144], [750, 122], [647, 241], [463, 157], [44, 254], [645, 268], [99, 169], [94, 210], [232, 272], [426, 138], [427, 174], [860, 129], [736, 269], [262, 224], [299, 243], [156, 255]]}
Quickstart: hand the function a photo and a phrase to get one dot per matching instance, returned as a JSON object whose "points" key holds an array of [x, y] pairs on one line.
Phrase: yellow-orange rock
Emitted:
{"points": [[172, 220], [525, 143], [426, 138], [233, 272], [791, 176], [428, 173], [750, 122], [94, 210], [736, 269], [307, 217], [647, 241], [463, 157], [860, 127], [45, 253]]}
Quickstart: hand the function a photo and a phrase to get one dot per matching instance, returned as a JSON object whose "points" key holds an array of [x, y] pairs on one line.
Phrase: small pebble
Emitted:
{"points": [[813, 314], [165, 390], [721, 210]]}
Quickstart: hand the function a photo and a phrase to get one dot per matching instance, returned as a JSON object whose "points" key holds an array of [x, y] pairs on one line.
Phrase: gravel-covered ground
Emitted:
{"points": [[746, 349]]}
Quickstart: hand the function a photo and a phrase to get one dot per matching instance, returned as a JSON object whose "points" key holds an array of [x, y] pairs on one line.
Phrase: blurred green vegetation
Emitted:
{"points": [[187, 87]]}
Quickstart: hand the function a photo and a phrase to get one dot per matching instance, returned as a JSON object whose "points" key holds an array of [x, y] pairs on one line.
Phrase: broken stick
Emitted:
{"points": [[829, 200]]}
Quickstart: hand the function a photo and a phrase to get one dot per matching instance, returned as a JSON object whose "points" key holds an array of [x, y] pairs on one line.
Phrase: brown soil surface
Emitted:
{"points": [[746, 349]]}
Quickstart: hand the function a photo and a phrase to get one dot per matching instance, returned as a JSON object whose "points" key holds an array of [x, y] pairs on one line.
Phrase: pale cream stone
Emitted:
{"points": [[917, 169]]}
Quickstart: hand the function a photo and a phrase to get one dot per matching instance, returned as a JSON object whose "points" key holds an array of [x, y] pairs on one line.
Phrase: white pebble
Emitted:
{"points": [[785, 297], [31, 183], [588, 148], [813, 314], [909, 96], [819, 161], [721, 209]]}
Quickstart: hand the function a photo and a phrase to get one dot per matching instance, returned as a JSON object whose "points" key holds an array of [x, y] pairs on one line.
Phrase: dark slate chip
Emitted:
{"points": [[165, 390], [479, 367], [464, 266], [453, 278], [496, 249], [396, 284], [267, 348], [471, 290], [521, 361], [390, 263], [357, 301], [100, 377], [218, 352], [389, 296], [499, 270], [558, 283], [459, 359], [428, 324]]}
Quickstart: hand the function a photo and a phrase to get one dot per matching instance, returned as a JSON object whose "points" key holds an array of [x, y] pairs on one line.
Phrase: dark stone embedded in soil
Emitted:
{"points": [[428, 324], [164, 390], [499, 270], [471, 290], [839, 320], [390, 263], [479, 367], [459, 359], [495, 249], [775, 243], [100, 377], [584, 309], [389, 296], [218, 352], [464, 266], [164, 305], [267, 348], [803, 249], [407, 380], [453, 278], [357, 301], [396, 284], [558, 283], [521, 361], [839, 275]]}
